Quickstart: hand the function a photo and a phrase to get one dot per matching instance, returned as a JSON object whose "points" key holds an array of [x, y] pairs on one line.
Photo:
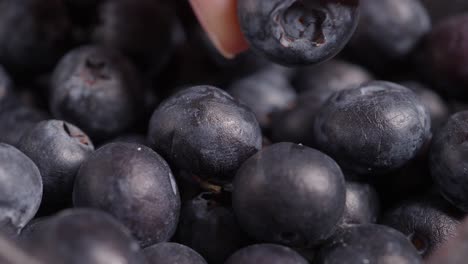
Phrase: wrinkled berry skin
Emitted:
{"points": [[66, 147], [388, 30], [426, 221], [266, 254], [295, 32], [265, 93], [20, 189], [33, 34], [454, 250], [205, 131], [96, 89], [448, 161], [374, 128], [362, 205], [289, 194], [135, 185], [444, 62], [210, 228], [172, 253], [368, 244], [83, 236]]}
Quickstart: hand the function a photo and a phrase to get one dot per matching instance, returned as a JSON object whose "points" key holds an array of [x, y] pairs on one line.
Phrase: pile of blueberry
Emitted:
{"points": [[340, 137]]}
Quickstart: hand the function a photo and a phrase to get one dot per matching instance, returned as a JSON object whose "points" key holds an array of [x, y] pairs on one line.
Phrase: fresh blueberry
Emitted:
{"points": [[134, 184], [12, 253], [20, 189], [210, 228], [172, 253], [205, 131], [329, 77], [375, 128], [368, 244], [97, 89], [289, 194], [132, 138], [384, 37], [266, 254], [140, 29], [33, 34], [66, 147], [427, 222], [448, 161], [264, 93], [298, 32], [83, 236], [438, 109], [444, 62], [362, 205]]}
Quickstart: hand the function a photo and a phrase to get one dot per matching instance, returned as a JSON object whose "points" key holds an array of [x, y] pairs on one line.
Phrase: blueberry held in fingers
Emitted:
{"points": [[289, 194], [66, 147], [205, 131], [374, 128], [135, 185], [20, 189], [298, 32]]}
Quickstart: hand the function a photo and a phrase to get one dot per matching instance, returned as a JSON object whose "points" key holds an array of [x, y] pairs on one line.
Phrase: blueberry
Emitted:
{"points": [[289, 194], [5, 85], [97, 89], [444, 62], [83, 236], [12, 253], [375, 128], [362, 205], [140, 29], [298, 32], [439, 10], [132, 138], [453, 251], [266, 254], [427, 222], [447, 160], [331, 76], [368, 244], [205, 131], [66, 147], [438, 109], [384, 37], [134, 184], [172, 253], [20, 189], [17, 118], [264, 93], [39, 37], [210, 228]]}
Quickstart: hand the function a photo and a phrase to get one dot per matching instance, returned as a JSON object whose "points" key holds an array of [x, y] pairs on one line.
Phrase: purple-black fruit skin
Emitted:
{"points": [[448, 161], [172, 253], [81, 235], [97, 89], [374, 243], [210, 228], [33, 34], [429, 221], [266, 254], [289, 194], [20, 189], [265, 93], [205, 131], [66, 148], [374, 128], [362, 205], [295, 32], [135, 185]]}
